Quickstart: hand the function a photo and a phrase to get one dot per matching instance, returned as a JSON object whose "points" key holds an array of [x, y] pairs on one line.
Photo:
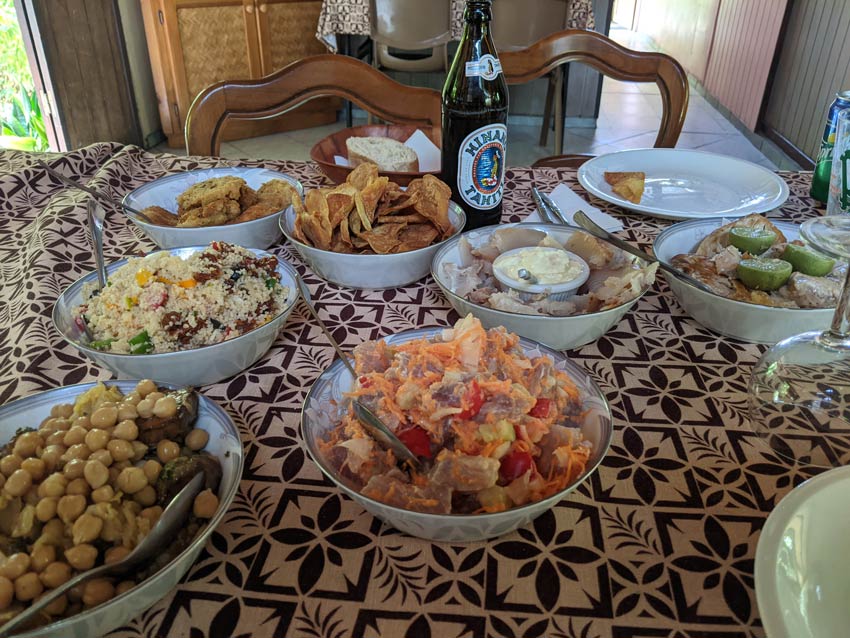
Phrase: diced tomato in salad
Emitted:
{"points": [[417, 441], [541, 408], [474, 399], [513, 465]]}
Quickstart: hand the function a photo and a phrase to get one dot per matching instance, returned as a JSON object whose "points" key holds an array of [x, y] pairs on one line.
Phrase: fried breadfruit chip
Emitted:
{"points": [[256, 211], [372, 194], [339, 244], [384, 238], [160, 216], [315, 222], [211, 190], [407, 218], [340, 203], [278, 192], [627, 184], [360, 177], [433, 202], [214, 213], [247, 197], [416, 236]]}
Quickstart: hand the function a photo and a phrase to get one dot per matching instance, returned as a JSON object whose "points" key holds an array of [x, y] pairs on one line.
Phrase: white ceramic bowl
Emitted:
{"points": [[562, 333], [744, 321], [259, 233], [370, 272], [321, 409], [224, 444], [195, 367], [802, 580]]}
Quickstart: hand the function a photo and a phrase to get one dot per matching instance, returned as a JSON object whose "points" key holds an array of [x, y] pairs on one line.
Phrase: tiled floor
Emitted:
{"points": [[629, 117]]}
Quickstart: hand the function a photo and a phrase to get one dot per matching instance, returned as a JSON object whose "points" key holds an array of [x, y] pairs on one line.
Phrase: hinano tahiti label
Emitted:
{"points": [[481, 166]]}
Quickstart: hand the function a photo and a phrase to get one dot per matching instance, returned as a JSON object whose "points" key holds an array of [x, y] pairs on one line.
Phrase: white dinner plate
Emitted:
{"points": [[684, 184], [802, 580]]}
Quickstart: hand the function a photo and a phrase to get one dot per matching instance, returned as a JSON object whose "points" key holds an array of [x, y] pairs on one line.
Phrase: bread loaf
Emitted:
{"points": [[390, 155]]}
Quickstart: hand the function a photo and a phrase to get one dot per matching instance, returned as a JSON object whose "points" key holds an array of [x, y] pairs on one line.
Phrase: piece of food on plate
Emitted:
{"points": [[162, 303], [751, 260], [83, 488], [387, 154], [158, 215], [627, 184], [615, 278], [494, 428], [368, 214], [277, 193]]}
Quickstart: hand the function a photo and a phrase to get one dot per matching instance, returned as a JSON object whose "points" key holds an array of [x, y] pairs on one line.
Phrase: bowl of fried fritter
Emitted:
{"points": [[240, 206], [371, 233]]}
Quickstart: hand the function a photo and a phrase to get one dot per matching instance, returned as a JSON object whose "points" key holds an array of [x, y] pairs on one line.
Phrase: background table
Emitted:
{"points": [[352, 17], [659, 542]]}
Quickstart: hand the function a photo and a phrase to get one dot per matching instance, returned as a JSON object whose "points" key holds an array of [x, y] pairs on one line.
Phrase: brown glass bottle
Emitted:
{"points": [[475, 116]]}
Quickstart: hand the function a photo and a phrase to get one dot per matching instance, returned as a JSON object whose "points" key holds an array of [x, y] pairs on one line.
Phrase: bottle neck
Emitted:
{"points": [[476, 18]]}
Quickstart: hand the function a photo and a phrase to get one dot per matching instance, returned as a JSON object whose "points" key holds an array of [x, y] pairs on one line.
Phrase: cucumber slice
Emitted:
{"points": [[751, 240], [808, 261], [764, 274]]}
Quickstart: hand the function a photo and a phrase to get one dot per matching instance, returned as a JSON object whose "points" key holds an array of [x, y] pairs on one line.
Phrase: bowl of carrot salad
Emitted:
{"points": [[503, 427]]}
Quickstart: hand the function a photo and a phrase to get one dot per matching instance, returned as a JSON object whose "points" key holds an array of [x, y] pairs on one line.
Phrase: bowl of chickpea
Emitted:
{"points": [[84, 475]]}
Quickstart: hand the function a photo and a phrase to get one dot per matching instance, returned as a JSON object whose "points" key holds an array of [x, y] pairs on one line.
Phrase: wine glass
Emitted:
{"points": [[799, 392]]}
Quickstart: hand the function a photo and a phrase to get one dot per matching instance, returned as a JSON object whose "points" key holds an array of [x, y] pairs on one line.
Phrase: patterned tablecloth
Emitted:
{"points": [[352, 17], [659, 542]]}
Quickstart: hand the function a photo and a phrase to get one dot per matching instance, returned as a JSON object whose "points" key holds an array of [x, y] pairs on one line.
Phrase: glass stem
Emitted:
{"points": [[840, 328]]}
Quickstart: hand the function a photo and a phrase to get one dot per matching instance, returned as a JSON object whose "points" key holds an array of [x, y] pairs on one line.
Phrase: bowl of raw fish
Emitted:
{"points": [[560, 332]]}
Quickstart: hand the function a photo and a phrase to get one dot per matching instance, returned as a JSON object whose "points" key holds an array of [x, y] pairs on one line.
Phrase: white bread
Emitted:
{"points": [[388, 154]]}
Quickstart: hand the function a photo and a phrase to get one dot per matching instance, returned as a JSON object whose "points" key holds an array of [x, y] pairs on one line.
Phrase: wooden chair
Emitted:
{"points": [[613, 60], [314, 76]]}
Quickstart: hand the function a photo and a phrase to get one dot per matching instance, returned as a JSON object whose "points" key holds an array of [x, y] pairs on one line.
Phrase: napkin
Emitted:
{"points": [[428, 153], [570, 203]]}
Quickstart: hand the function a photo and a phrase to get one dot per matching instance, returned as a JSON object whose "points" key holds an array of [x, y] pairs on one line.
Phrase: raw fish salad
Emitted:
{"points": [[494, 429]]}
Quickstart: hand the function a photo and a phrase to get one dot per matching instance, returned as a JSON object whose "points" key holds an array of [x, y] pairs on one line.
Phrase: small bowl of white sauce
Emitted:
{"points": [[541, 270]]}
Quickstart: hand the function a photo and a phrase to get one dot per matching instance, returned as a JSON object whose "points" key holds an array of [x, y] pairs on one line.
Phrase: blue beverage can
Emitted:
{"points": [[823, 165]]}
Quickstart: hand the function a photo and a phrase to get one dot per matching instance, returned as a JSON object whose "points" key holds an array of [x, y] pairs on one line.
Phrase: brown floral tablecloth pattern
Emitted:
{"points": [[352, 17], [659, 542]]}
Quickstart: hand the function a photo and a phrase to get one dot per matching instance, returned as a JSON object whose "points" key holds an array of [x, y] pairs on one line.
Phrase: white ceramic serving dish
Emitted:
{"points": [[370, 272], [195, 367], [562, 333], [744, 321], [224, 444], [686, 184], [259, 233], [802, 580], [326, 395]]}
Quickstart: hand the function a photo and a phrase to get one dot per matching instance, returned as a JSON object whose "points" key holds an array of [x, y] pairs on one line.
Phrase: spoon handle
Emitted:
{"points": [[96, 216], [305, 294]]}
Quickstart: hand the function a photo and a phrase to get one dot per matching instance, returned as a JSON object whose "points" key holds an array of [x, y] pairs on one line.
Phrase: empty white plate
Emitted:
{"points": [[684, 184], [802, 577]]}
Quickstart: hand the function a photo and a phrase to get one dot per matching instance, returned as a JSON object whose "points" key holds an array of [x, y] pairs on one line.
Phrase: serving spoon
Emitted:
{"points": [[152, 545], [377, 428]]}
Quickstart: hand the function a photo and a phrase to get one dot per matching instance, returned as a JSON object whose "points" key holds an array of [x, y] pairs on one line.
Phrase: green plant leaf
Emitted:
{"points": [[18, 143]]}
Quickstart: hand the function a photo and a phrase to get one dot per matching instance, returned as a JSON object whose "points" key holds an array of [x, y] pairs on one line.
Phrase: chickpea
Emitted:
{"points": [[152, 469], [28, 587], [103, 494], [2, 481], [27, 444], [18, 483], [101, 456], [146, 496], [56, 573], [45, 509], [96, 439], [51, 455], [82, 422], [97, 591], [15, 566], [87, 528], [127, 411], [96, 473], [81, 557], [70, 507], [74, 436], [63, 410], [56, 424], [197, 439], [7, 592], [78, 486], [152, 514], [10, 464], [127, 430], [120, 449], [155, 396], [52, 533], [105, 416], [57, 607], [165, 407], [132, 398], [41, 556], [124, 586], [115, 554], [140, 450], [57, 438], [145, 387], [145, 408], [132, 480], [167, 450], [79, 451], [75, 597], [74, 469], [36, 468], [205, 505]]}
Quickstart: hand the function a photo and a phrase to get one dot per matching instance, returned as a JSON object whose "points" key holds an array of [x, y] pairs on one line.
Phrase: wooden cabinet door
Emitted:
{"points": [[287, 31]]}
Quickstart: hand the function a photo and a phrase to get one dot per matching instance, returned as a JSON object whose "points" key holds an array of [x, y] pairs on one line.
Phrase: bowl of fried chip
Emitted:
{"points": [[371, 233], [237, 205]]}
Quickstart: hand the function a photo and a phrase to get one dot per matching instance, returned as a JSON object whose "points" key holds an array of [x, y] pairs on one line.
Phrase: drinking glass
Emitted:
{"points": [[799, 391], [839, 181]]}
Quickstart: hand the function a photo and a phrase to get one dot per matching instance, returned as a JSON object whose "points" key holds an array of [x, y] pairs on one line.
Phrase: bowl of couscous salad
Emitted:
{"points": [[190, 316]]}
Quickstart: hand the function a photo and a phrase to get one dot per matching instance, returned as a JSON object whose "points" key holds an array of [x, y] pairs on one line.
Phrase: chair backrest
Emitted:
{"points": [[611, 59], [304, 79], [518, 24], [411, 25]]}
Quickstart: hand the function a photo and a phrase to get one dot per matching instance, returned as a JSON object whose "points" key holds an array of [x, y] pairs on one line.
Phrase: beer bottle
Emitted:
{"points": [[475, 115]]}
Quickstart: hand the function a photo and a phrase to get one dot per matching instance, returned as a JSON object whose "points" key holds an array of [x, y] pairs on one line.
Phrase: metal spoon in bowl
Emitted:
{"points": [[161, 536], [377, 428]]}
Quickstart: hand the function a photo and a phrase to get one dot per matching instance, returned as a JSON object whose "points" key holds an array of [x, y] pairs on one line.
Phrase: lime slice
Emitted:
{"points": [[808, 261], [751, 240], [764, 274]]}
